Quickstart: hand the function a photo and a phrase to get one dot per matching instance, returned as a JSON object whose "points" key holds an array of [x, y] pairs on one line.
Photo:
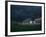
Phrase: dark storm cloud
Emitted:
{"points": [[23, 12]]}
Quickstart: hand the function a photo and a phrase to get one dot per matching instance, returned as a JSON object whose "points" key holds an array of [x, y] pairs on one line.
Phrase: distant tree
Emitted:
{"points": [[32, 18]]}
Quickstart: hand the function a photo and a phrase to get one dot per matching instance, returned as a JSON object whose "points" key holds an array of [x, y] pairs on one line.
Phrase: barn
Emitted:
{"points": [[27, 21], [37, 21]]}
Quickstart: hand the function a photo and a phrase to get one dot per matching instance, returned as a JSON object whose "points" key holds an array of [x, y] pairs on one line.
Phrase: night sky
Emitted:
{"points": [[21, 13]]}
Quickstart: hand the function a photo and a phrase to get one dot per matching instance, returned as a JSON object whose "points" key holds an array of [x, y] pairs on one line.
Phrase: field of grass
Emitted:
{"points": [[15, 27]]}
